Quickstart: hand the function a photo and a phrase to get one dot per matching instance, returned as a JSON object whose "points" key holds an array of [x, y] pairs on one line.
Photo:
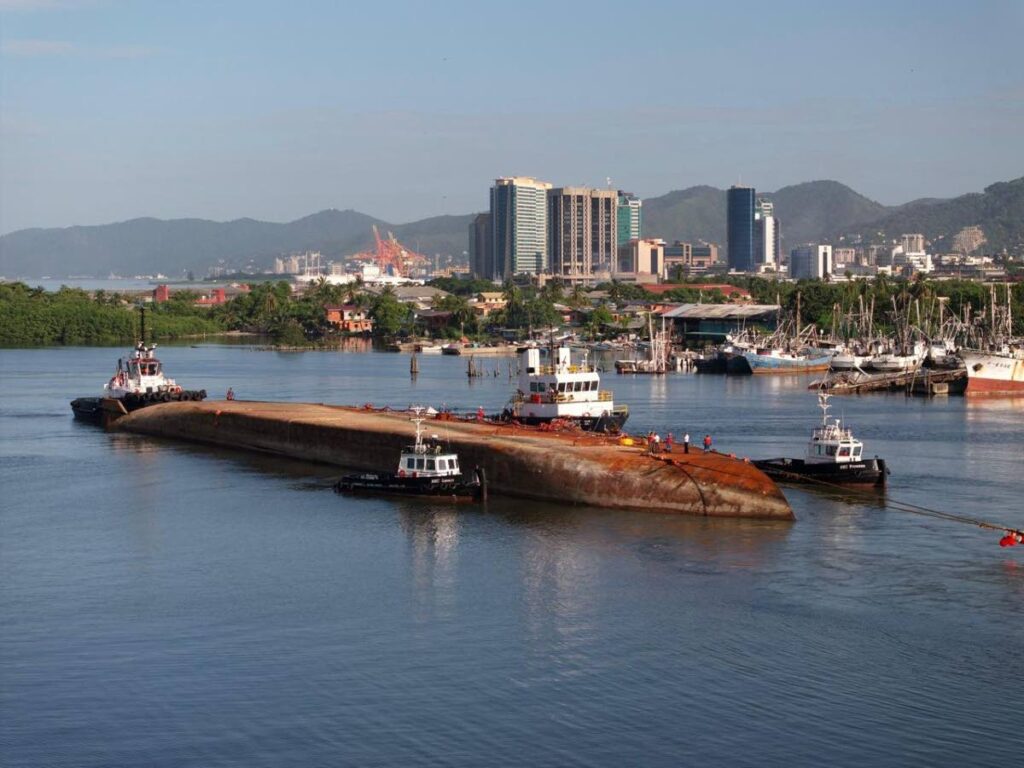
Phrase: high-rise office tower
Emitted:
{"points": [[519, 242], [481, 260], [766, 234], [581, 230], [740, 228], [629, 217]]}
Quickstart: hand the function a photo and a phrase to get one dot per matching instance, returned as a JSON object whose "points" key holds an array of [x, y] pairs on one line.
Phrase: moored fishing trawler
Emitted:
{"points": [[424, 469], [138, 381], [999, 371], [834, 456], [556, 389]]}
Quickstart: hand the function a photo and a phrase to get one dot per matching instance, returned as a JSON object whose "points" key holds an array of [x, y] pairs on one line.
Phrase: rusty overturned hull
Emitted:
{"points": [[572, 467]]}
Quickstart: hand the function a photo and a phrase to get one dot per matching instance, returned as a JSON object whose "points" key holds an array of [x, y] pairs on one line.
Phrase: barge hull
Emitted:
{"points": [[571, 467]]}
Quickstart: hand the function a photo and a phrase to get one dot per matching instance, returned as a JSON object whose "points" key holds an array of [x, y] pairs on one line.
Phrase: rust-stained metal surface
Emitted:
{"points": [[568, 466]]}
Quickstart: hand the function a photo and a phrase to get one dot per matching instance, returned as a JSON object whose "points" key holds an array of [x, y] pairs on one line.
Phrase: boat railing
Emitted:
{"points": [[551, 370]]}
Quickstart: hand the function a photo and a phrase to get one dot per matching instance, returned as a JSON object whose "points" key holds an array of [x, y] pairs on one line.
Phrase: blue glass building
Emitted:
{"points": [[740, 239]]}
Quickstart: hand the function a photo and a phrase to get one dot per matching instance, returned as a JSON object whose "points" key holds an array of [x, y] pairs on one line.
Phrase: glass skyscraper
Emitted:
{"points": [[740, 228], [629, 218], [519, 218]]}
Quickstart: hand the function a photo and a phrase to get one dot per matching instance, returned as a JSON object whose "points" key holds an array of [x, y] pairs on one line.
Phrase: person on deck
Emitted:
{"points": [[231, 394], [668, 443], [686, 442], [707, 443]]}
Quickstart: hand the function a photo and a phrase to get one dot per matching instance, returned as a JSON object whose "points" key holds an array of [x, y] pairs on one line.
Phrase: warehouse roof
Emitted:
{"points": [[720, 311]]}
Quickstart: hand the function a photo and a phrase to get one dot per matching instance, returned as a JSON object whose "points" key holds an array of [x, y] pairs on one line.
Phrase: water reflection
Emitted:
{"points": [[432, 532]]}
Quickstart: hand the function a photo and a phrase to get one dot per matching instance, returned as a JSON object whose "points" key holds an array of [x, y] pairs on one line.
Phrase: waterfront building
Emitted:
{"points": [[810, 262], [640, 261], [481, 258], [699, 324], [629, 218], [519, 238], [740, 228], [581, 231]]}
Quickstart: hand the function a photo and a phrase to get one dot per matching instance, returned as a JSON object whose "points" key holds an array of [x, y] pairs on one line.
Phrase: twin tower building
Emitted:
{"points": [[535, 228]]}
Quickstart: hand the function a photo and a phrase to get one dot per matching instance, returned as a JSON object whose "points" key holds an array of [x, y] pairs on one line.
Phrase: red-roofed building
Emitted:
{"points": [[350, 318], [217, 296], [161, 293]]}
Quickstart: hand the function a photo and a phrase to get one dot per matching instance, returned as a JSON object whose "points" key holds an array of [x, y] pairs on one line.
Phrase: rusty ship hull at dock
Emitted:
{"points": [[567, 467]]}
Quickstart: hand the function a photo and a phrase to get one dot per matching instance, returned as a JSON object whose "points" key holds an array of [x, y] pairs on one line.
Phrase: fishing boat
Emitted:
{"points": [[776, 360], [999, 371], [658, 349], [137, 382], [553, 388], [425, 468], [834, 457], [899, 360]]}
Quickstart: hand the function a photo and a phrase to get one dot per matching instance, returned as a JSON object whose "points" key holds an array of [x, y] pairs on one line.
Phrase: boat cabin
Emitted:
{"points": [[832, 443], [429, 463], [427, 459], [552, 386]]}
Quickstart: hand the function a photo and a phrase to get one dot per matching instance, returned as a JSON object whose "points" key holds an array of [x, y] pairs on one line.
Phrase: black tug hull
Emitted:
{"points": [[457, 488], [870, 472], [103, 410]]}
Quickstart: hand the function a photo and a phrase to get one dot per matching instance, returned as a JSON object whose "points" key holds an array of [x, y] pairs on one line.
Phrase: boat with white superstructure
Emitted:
{"points": [[425, 468], [137, 382], [551, 387], [834, 457]]}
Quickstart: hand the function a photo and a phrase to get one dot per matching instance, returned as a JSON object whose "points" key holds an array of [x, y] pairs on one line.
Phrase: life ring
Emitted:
{"points": [[586, 414], [401, 473]]}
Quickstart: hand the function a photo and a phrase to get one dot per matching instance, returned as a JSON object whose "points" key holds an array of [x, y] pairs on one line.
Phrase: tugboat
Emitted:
{"points": [[833, 456], [138, 381], [424, 469], [558, 390]]}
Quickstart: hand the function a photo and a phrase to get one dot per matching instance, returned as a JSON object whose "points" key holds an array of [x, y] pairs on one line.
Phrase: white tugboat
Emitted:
{"points": [[555, 389], [834, 456], [138, 381], [424, 469]]}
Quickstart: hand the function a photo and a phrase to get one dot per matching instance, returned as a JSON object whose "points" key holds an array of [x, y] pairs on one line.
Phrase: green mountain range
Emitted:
{"points": [[818, 210]]}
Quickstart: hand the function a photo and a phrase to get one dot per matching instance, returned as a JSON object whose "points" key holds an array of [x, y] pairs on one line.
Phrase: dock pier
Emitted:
{"points": [[924, 381]]}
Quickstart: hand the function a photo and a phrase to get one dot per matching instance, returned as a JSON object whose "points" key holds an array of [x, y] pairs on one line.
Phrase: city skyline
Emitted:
{"points": [[113, 111]]}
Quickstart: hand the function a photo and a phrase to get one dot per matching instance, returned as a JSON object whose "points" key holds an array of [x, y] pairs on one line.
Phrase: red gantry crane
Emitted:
{"points": [[392, 257]]}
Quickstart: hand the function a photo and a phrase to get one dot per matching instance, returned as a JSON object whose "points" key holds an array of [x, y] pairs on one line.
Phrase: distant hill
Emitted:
{"points": [[999, 210], [813, 211], [147, 246], [806, 211]]}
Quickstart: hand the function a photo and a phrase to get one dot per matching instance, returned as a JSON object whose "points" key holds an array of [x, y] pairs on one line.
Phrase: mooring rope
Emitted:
{"points": [[914, 509]]}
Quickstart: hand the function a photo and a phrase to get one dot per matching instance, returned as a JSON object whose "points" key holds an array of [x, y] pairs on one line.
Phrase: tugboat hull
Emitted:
{"points": [[457, 488], [870, 472], [103, 410]]}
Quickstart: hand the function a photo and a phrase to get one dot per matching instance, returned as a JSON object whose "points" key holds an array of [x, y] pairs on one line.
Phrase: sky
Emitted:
{"points": [[111, 110]]}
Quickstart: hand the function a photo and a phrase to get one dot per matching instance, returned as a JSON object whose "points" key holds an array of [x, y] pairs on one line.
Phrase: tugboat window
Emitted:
{"points": [[419, 463], [430, 464], [410, 463]]}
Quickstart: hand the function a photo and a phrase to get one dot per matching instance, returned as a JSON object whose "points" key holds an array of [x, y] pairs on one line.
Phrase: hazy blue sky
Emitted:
{"points": [[274, 110]]}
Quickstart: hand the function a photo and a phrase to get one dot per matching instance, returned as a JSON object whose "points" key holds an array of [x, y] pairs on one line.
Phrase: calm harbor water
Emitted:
{"points": [[172, 605]]}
